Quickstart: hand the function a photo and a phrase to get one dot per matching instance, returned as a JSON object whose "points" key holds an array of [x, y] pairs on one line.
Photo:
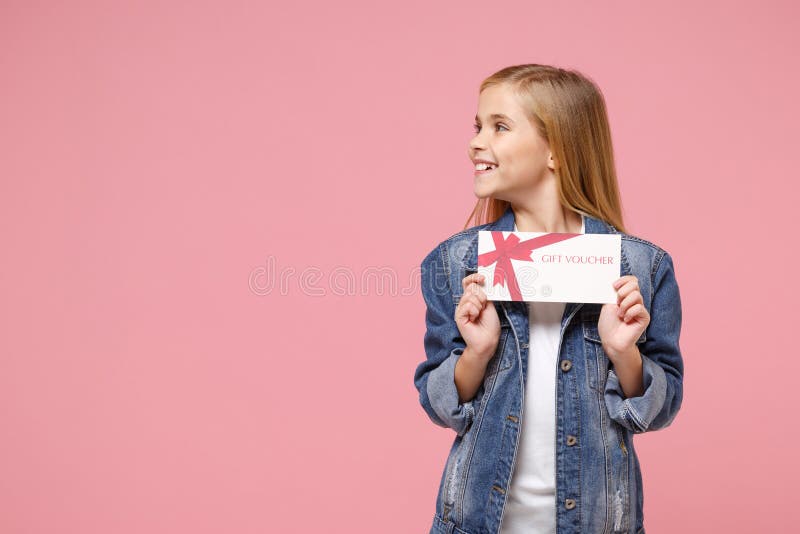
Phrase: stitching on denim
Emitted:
{"points": [[470, 415], [444, 254], [607, 469], [653, 271], [629, 237], [657, 263], [467, 231], [623, 259], [579, 498], [625, 416], [633, 416]]}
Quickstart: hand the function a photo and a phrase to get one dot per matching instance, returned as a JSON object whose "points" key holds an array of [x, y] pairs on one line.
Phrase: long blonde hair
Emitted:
{"points": [[569, 112]]}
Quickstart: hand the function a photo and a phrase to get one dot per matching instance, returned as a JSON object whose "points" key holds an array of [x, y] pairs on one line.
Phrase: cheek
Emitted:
{"points": [[521, 165], [523, 156]]}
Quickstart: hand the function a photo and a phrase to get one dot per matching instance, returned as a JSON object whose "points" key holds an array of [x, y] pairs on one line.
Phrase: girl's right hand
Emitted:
{"points": [[476, 318]]}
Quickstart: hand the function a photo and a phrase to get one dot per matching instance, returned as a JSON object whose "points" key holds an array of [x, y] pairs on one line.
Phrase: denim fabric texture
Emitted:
{"points": [[598, 478]]}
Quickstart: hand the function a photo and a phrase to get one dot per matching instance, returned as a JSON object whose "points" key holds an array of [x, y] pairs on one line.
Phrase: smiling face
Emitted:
{"points": [[506, 137]]}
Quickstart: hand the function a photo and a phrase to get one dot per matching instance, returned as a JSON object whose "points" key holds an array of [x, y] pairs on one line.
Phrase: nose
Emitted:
{"points": [[475, 144]]}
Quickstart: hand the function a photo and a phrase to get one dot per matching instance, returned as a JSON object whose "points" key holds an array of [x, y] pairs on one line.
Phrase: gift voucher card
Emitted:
{"points": [[549, 267]]}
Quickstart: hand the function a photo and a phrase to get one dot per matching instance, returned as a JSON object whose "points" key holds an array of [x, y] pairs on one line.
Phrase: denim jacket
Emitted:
{"points": [[598, 480]]}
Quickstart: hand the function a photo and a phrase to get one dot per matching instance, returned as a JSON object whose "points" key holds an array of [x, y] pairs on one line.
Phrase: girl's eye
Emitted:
{"points": [[477, 127]]}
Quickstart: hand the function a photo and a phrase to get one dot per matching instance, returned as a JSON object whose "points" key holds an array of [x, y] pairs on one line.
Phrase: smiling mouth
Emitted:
{"points": [[485, 171]]}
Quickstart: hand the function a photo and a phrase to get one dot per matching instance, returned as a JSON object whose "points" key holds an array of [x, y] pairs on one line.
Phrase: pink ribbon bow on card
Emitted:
{"points": [[512, 248]]}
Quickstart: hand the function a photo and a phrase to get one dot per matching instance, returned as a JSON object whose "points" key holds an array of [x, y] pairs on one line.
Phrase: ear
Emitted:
{"points": [[551, 162]]}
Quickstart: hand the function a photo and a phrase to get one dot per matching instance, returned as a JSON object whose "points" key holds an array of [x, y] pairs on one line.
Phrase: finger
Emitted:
{"points": [[476, 300], [476, 291], [634, 311], [472, 310], [473, 288], [474, 277], [627, 288], [619, 282], [467, 309], [627, 302]]}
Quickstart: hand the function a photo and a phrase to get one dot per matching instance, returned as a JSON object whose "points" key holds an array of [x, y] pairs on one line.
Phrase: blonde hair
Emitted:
{"points": [[569, 112]]}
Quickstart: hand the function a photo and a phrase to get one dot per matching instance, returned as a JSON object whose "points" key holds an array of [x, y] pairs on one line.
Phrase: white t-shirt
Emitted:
{"points": [[531, 501]]}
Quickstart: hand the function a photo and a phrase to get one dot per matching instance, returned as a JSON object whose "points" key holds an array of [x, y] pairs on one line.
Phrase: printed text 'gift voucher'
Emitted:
{"points": [[549, 267]]}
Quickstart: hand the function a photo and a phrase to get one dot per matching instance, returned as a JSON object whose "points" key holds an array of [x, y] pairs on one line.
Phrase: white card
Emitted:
{"points": [[549, 267]]}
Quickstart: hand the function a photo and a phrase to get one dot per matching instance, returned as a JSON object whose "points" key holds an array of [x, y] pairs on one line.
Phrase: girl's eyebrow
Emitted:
{"points": [[497, 116]]}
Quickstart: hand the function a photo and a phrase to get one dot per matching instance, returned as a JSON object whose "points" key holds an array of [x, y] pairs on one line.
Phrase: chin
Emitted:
{"points": [[483, 194], [489, 194], [479, 193]]}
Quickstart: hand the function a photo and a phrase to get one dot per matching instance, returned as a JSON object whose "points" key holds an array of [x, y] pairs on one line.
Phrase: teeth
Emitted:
{"points": [[484, 166]]}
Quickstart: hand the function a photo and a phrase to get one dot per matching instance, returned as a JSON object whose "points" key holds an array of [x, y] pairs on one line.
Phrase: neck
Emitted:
{"points": [[541, 211], [546, 218]]}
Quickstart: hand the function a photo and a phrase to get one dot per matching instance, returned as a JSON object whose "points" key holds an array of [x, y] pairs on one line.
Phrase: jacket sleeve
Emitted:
{"points": [[662, 363], [434, 378]]}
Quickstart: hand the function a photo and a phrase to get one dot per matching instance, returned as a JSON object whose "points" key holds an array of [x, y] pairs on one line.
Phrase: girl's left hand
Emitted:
{"points": [[621, 324]]}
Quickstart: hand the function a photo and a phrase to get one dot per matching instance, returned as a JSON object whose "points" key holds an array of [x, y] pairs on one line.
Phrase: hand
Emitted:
{"points": [[476, 318], [621, 324]]}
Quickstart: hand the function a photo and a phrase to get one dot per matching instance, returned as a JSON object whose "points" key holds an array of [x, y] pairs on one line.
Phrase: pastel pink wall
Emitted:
{"points": [[157, 159]]}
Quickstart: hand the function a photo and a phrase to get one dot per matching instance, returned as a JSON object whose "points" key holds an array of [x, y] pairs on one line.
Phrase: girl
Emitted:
{"points": [[545, 397]]}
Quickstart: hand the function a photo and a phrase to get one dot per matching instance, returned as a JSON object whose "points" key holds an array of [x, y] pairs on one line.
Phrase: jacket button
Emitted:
{"points": [[566, 365], [571, 440], [569, 504]]}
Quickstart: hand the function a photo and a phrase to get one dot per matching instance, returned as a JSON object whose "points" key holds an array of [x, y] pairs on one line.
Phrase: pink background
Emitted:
{"points": [[156, 157]]}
